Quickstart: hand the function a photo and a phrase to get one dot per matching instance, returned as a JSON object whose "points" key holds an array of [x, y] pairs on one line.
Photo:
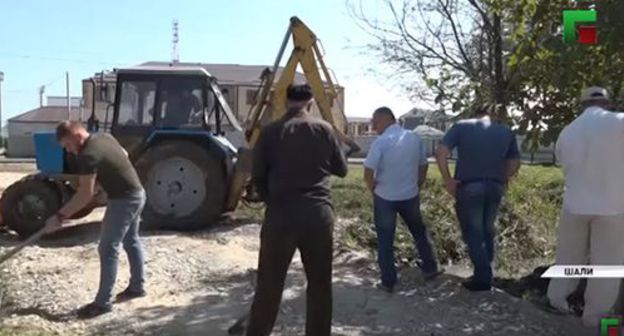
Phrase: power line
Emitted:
{"points": [[58, 59], [30, 90]]}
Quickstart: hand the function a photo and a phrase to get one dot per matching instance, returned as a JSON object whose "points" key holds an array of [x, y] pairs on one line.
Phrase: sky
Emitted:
{"points": [[42, 40]]}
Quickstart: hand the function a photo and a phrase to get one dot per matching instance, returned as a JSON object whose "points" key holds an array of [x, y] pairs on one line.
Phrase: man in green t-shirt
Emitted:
{"points": [[102, 160]]}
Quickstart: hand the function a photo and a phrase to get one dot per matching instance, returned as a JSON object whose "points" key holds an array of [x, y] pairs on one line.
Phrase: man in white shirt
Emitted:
{"points": [[394, 170], [591, 151]]}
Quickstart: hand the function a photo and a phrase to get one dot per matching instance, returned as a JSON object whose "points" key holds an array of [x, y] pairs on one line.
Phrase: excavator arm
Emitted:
{"points": [[271, 104], [271, 99]]}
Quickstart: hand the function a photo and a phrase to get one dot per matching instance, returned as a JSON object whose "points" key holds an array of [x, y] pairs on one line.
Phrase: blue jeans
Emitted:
{"points": [[477, 206], [385, 224], [121, 225]]}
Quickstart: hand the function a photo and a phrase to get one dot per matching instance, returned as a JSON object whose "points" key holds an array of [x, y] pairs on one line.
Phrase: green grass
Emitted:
{"points": [[526, 226]]}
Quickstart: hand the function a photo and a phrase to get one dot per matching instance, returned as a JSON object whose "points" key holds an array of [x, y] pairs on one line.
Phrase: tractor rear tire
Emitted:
{"points": [[185, 184], [28, 203]]}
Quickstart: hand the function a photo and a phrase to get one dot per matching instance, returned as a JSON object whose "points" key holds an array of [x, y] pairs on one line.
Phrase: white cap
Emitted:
{"points": [[594, 93]]}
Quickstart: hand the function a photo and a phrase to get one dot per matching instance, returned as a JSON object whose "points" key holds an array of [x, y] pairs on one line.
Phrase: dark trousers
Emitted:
{"points": [[385, 225], [477, 206], [308, 228]]}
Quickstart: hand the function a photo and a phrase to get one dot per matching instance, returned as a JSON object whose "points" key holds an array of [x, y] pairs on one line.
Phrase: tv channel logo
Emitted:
{"points": [[587, 32], [611, 326]]}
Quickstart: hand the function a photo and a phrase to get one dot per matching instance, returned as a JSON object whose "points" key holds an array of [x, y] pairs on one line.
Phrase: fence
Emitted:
{"points": [[544, 155]]}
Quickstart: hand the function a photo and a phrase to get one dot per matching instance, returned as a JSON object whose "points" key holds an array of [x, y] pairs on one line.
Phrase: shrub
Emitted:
{"points": [[526, 225]]}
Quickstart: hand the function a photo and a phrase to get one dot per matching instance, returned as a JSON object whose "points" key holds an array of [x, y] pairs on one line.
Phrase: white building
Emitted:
{"points": [[239, 84], [44, 118]]}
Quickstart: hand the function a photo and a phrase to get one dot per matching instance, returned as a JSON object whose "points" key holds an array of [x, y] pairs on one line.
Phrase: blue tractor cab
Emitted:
{"points": [[172, 121]]}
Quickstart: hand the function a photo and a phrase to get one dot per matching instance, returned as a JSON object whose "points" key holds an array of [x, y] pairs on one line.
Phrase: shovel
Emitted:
{"points": [[32, 239]]}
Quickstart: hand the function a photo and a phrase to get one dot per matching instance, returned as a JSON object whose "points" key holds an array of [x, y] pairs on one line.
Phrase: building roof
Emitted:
{"points": [[230, 73], [164, 69], [48, 114]]}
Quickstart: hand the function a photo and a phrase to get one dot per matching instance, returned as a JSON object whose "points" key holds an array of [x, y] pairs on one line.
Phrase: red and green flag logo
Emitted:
{"points": [[610, 326], [579, 27]]}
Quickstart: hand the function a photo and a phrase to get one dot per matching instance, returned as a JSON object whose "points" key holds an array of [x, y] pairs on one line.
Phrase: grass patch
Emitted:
{"points": [[526, 225]]}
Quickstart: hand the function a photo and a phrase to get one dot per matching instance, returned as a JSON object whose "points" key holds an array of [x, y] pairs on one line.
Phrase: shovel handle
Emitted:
{"points": [[30, 240]]}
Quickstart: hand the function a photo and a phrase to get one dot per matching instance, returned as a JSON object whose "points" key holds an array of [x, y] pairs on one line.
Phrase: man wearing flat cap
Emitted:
{"points": [[591, 151], [292, 164]]}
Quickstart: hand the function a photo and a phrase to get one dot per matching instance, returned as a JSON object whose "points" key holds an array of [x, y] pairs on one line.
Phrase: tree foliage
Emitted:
{"points": [[456, 53]]}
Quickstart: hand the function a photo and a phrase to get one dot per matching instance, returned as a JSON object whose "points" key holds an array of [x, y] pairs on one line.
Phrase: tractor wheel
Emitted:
{"points": [[185, 186], [26, 205]]}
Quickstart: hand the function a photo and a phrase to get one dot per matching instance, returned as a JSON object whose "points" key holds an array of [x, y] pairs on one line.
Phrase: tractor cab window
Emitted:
{"points": [[136, 106], [182, 103]]}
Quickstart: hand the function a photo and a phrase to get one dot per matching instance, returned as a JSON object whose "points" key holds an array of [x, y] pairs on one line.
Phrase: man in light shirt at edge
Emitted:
{"points": [[591, 151], [394, 171]]}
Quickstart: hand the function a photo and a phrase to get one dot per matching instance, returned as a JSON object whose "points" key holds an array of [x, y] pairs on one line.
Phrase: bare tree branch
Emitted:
{"points": [[438, 36], [458, 40], [484, 16]]}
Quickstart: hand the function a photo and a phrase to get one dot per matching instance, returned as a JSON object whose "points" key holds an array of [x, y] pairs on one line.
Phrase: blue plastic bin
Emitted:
{"points": [[49, 153]]}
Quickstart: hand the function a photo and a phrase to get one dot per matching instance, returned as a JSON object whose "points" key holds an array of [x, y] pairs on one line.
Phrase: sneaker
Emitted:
{"points": [[474, 286], [388, 289], [432, 275], [93, 310], [129, 294]]}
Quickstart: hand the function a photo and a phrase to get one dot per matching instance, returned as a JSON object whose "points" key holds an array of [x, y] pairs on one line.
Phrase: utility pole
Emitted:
{"points": [[68, 98], [175, 55], [41, 91], [1, 132]]}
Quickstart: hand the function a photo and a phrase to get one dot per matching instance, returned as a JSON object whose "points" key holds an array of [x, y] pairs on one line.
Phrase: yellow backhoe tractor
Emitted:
{"points": [[171, 121]]}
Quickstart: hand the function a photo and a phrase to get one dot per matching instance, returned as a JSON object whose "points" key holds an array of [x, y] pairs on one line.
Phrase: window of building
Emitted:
{"points": [[229, 93], [251, 97], [107, 93]]}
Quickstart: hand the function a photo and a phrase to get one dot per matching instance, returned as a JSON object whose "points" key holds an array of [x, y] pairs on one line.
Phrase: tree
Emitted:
{"points": [[459, 48], [456, 53]]}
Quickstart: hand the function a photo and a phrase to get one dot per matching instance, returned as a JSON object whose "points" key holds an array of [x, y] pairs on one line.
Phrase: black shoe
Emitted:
{"points": [[388, 289], [432, 275], [129, 294], [474, 286], [240, 326], [93, 310], [554, 310]]}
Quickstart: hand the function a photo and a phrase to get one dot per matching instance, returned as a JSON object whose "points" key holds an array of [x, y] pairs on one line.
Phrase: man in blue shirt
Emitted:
{"points": [[488, 157], [395, 169]]}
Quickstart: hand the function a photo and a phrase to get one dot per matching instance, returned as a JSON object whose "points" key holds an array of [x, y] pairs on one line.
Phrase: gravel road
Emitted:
{"points": [[199, 283]]}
